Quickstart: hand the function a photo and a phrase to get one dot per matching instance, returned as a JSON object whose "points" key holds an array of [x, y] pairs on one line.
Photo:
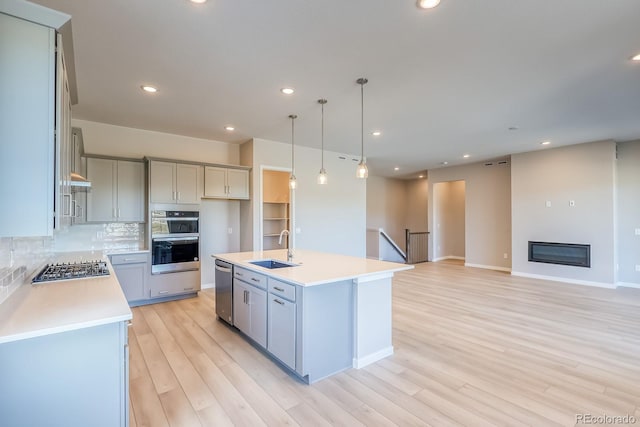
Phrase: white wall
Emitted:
{"points": [[417, 205], [111, 140], [584, 173], [449, 220], [332, 218], [628, 211], [387, 207], [487, 211]]}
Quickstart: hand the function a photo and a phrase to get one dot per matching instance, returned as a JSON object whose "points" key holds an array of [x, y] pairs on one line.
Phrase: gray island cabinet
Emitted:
{"points": [[325, 314]]}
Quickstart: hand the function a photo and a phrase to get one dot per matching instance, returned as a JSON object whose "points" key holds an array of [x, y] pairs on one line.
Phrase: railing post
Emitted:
{"points": [[407, 237]]}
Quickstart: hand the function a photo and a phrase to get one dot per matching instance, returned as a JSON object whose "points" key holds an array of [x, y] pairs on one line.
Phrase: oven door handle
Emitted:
{"points": [[186, 218], [176, 239]]}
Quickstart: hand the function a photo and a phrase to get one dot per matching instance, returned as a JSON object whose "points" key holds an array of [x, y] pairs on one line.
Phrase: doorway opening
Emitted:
{"points": [[276, 208], [449, 220]]}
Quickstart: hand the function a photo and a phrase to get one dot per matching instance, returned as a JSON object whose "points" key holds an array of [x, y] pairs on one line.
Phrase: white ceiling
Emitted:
{"points": [[442, 82]]}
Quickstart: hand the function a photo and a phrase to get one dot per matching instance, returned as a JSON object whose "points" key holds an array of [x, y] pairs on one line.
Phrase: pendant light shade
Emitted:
{"points": [[362, 171], [322, 176], [293, 183]]}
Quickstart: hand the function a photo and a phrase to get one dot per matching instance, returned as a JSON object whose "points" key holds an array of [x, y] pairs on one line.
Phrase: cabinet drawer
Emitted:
{"points": [[282, 289], [128, 258], [248, 276]]}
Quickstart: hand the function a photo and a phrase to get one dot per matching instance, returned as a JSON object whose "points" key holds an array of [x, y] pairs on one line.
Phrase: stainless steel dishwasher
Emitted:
{"points": [[224, 291]]}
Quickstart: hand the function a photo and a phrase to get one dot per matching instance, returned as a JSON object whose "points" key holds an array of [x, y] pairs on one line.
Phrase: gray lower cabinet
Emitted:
{"points": [[282, 330], [250, 311], [132, 271], [69, 379]]}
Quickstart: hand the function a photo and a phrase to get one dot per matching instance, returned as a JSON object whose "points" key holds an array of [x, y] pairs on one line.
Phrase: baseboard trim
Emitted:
{"points": [[372, 358], [207, 286], [565, 280], [461, 258], [488, 267], [628, 285]]}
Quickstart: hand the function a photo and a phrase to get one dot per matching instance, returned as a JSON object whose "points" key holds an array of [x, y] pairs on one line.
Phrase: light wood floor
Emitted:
{"points": [[472, 347]]}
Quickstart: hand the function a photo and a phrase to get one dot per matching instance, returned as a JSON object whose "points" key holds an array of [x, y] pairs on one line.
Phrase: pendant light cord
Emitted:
{"points": [[362, 121], [293, 169], [322, 138]]}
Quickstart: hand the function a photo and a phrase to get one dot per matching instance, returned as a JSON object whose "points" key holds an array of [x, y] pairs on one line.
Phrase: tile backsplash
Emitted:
{"points": [[20, 256]]}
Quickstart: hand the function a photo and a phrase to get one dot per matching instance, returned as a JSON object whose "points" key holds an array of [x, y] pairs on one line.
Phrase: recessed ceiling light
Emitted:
{"points": [[636, 58], [466, 156], [198, 1], [376, 133], [420, 176], [229, 128], [428, 4], [396, 168], [545, 143], [150, 89], [287, 90], [444, 163]]}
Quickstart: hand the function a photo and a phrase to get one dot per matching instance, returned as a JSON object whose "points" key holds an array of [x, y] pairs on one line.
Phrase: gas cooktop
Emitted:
{"points": [[75, 270]]}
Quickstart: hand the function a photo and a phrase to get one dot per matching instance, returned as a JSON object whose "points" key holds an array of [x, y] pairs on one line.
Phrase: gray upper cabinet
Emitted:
{"points": [[174, 182], [226, 183], [117, 192], [27, 103]]}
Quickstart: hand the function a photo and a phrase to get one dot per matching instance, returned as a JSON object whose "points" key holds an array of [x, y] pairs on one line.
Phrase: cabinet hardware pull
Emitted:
{"points": [[163, 292], [128, 259], [119, 213], [178, 196], [238, 274], [188, 289], [278, 301], [278, 289], [255, 280]]}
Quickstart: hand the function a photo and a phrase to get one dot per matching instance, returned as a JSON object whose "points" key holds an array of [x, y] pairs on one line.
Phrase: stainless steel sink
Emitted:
{"points": [[272, 263]]}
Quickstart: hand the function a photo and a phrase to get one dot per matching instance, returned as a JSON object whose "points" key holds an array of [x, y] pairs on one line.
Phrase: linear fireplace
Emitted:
{"points": [[560, 253]]}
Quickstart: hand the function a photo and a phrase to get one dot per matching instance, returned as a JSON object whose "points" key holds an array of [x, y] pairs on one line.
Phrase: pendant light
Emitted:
{"points": [[362, 171], [292, 179], [322, 176]]}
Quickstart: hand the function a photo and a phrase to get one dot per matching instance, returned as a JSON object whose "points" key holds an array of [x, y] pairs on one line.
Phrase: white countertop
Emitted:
{"points": [[53, 307], [315, 268]]}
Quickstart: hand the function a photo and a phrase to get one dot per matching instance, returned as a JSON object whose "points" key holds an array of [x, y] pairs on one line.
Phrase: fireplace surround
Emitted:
{"points": [[572, 254]]}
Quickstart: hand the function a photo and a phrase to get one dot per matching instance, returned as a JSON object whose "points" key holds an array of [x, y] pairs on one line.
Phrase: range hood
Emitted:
{"points": [[78, 162]]}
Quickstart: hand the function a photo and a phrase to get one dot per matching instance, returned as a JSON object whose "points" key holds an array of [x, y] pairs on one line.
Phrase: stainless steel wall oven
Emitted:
{"points": [[175, 241]]}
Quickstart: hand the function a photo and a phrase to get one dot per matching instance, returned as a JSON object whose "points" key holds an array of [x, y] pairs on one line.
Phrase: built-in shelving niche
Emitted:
{"points": [[276, 208]]}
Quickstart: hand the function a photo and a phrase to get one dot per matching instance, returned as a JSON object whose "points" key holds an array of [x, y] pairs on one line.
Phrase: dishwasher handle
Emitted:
{"points": [[223, 269]]}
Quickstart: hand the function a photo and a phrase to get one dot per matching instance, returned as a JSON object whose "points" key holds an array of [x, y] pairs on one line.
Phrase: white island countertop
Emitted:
{"points": [[314, 268], [61, 306]]}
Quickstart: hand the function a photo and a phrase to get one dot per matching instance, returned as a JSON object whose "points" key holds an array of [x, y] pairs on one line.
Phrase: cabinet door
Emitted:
{"points": [[282, 330], [187, 183], [130, 191], [258, 317], [132, 280], [238, 184], [241, 315], [215, 182], [162, 183], [101, 200], [26, 127]]}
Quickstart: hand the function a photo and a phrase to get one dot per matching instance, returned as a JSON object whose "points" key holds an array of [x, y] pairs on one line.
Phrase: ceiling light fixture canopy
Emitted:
{"points": [[293, 183], [428, 4], [362, 171], [322, 176], [229, 128], [287, 90]]}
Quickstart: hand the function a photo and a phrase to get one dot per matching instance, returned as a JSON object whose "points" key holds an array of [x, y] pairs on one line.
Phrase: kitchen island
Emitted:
{"points": [[324, 314], [63, 352]]}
